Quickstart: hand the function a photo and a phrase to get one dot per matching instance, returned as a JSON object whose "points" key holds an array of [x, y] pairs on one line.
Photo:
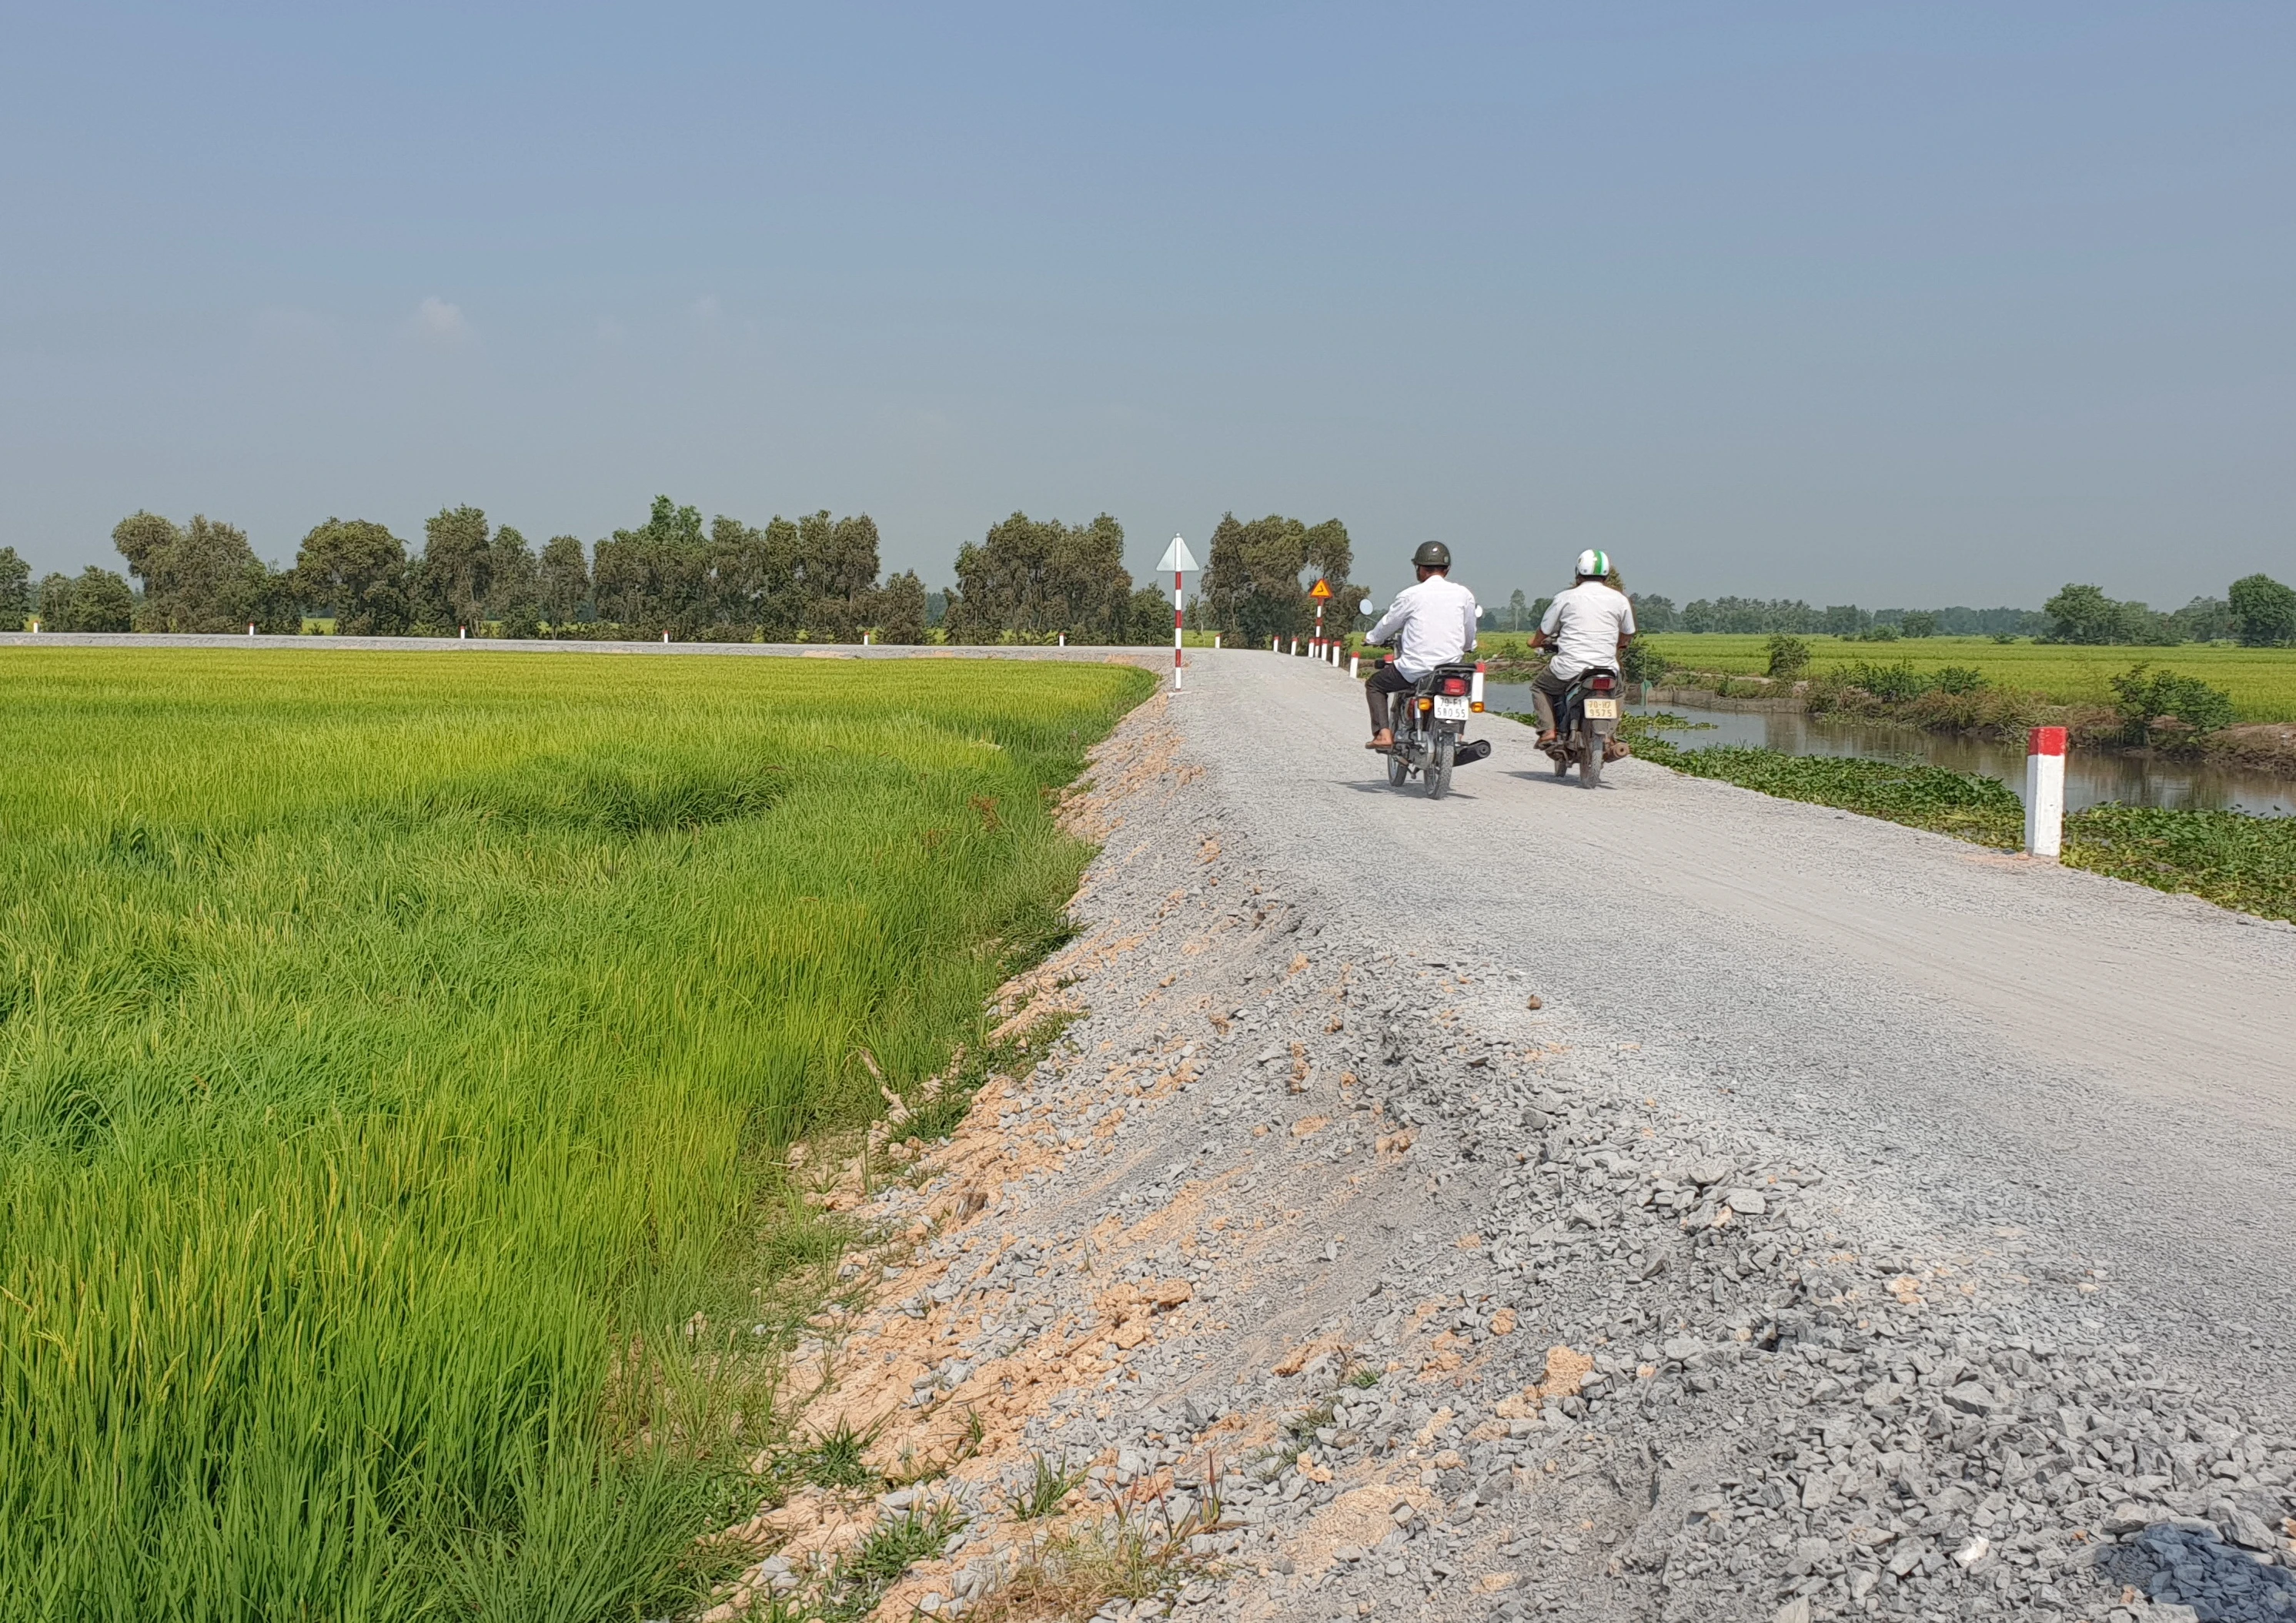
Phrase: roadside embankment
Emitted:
{"points": [[1323, 1268]]}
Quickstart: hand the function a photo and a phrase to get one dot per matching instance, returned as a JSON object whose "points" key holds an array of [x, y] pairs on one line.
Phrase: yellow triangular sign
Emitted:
{"points": [[1320, 589]]}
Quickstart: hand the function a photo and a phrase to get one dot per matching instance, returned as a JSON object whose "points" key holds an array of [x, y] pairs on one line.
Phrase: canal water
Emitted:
{"points": [[2091, 777]]}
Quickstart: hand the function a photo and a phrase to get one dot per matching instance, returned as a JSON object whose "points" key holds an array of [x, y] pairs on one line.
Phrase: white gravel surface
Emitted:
{"points": [[1859, 1224]]}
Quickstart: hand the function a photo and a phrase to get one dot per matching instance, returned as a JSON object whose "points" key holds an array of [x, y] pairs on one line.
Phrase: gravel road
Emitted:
{"points": [[1658, 1203], [2109, 1067]]}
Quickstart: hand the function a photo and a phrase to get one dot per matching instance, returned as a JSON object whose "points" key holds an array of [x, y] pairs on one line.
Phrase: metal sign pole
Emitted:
{"points": [[1179, 560]]}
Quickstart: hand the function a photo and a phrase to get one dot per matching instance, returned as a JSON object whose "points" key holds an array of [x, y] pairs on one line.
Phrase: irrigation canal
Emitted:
{"points": [[2091, 777]]}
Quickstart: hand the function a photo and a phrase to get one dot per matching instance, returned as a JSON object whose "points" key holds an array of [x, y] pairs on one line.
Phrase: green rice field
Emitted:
{"points": [[394, 1051], [2262, 682]]}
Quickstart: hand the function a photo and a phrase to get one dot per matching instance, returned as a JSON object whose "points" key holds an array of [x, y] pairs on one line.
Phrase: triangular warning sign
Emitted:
{"points": [[1322, 589]]}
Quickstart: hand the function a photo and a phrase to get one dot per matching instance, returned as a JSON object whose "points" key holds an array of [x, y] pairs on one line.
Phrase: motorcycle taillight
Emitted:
{"points": [[1602, 684], [1453, 686]]}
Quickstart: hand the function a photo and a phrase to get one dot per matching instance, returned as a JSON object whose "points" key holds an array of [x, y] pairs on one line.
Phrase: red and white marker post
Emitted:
{"points": [[2045, 792], [1179, 560], [1322, 593]]}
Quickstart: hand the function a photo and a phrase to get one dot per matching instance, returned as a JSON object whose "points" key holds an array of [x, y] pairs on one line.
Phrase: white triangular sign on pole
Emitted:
{"points": [[1177, 557]]}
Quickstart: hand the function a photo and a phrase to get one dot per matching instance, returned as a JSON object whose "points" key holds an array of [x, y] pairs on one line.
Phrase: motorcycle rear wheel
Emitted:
{"points": [[1443, 751], [1399, 763], [1590, 763]]}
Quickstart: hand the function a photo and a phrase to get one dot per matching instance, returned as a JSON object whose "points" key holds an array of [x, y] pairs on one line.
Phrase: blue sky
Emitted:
{"points": [[1883, 303]]}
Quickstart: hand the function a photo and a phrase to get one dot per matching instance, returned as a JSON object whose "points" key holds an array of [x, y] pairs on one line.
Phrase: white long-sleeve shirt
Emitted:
{"points": [[1437, 621]]}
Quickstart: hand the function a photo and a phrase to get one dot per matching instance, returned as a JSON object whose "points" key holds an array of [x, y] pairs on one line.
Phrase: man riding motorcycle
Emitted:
{"points": [[1431, 623], [1589, 625]]}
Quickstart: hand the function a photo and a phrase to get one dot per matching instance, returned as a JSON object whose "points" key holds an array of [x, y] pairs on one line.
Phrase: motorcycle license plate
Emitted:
{"points": [[1450, 709], [1601, 710]]}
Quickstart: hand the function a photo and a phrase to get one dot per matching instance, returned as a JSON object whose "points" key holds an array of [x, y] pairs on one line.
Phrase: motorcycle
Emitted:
{"points": [[1430, 724], [1586, 723]]}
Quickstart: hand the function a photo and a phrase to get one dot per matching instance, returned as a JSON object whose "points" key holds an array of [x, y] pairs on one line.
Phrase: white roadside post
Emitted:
{"points": [[2045, 792], [1180, 561], [1355, 664]]}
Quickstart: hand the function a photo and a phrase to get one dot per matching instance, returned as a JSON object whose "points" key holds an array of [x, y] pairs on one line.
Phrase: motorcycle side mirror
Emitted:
{"points": [[1366, 607]]}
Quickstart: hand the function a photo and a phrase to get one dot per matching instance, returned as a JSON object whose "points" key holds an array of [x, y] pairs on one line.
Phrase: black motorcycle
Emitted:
{"points": [[1429, 725], [1585, 720]]}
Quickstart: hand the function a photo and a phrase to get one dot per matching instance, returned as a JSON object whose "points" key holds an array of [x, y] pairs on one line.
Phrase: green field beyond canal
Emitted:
{"points": [[395, 1049]]}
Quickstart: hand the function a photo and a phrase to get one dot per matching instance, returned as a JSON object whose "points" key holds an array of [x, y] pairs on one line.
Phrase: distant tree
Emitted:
{"points": [[15, 590], [1918, 622], [1843, 620], [1652, 611], [202, 577], [1789, 655], [53, 602], [1518, 606], [456, 569], [901, 609], [97, 601], [2084, 615], [2262, 612], [935, 608], [354, 570], [1032, 579], [1749, 615], [655, 578], [1257, 578], [563, 582], [2202, 620], [1149, 620], [513, 600], [837, 575]]}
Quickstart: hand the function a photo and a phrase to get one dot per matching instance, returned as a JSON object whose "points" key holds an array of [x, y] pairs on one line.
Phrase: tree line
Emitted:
{"points": [[819, 578], [2255, 610]]}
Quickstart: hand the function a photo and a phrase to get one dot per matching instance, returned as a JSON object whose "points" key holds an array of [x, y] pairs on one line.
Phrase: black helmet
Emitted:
{"points": [[1432, 554]]}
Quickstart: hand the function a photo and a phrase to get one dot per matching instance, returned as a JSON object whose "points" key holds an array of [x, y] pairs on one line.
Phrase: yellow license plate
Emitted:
{"points": [[1601, 710]]}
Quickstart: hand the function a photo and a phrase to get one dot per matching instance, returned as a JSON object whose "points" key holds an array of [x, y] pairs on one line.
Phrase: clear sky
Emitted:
{"points": [[1892, 303]]}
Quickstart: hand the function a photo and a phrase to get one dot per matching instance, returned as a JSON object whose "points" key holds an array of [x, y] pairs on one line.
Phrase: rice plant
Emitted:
{"points": [[396, 1055]]}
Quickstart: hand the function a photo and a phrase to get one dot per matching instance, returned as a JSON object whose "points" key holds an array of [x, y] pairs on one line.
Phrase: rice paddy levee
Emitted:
{"points": [[395, 1053]]}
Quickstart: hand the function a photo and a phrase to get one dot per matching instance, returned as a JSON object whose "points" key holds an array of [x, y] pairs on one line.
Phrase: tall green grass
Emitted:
{"points": [[390, 1048]]}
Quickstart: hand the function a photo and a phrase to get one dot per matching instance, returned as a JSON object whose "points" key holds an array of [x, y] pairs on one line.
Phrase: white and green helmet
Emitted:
{"points": [[1594, 561]]}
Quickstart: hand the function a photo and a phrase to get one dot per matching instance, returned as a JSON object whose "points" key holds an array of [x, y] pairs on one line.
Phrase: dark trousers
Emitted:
{"points": [[1385, 680], [1546, 687]]}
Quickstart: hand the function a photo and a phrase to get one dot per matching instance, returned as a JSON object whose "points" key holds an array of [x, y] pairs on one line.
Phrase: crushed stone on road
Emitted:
{"points": [[1381, 1289]]}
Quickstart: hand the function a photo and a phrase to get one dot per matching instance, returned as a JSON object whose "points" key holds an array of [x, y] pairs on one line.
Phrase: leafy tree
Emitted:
{"points": [[563, 582], [2262, 612], [55, 602], [1843, 620], [15, 590], [97, 601], [1653, 613], [901, 609], [1518, 606], [2202, 620], [1031, 579], [456, 570], [1257, 577], [203, 577], [2083, 614], [655, 578], [355, 571], [513, 598], [2157, 703], [836, 575], [1789, 655], [1918, 622], [1149, 621]]}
